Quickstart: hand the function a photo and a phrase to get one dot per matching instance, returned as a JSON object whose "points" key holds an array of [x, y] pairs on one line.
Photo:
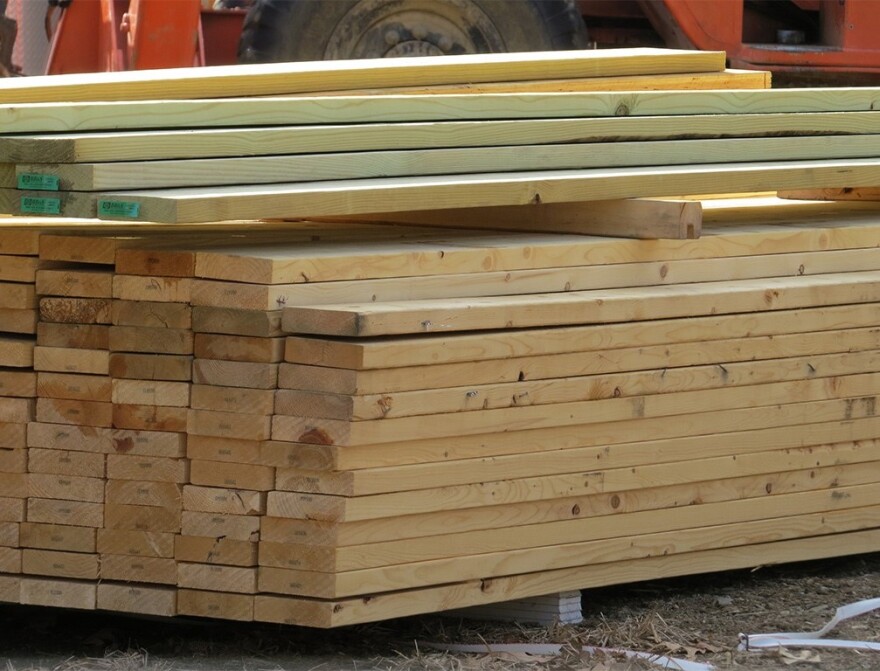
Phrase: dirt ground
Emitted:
{"points": [[696, 618]]}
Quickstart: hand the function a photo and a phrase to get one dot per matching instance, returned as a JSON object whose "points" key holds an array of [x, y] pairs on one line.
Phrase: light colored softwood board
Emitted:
{"points": [[7, 175], [865, 193], [752, 532], [339, 432], [424, 350], [78, 336], [216, 525], [58, 593], [151, 392], [239, 476], [575, 364], [329, 507], [91, 116], [88, 245], [143, 493], [17, 410], [43, 153], [518, 394], [151, 340], [65, 487], [135, 543], [83, 413], [201, 550], [230, 321], [16, 352], [75, 310], [618, 528], [601, 306], [18, 268], [75, 283], [70, 437], [71, 360], [154, 289], [66, 513], [310, 612], [149, 469], [259, 296], [13, 461], [332, 534], [215, 604], [9, 534], [661, 219], [167, 367], [142, 600], [58, 537], [14, 485], [212, 577], [160, 444], [12, 509], [17, 296], [245, 374], [232, 399], [223, 500], [229, 424], [65, 462], [139, 569], [224, 449], [10, 560], [239, 348], [149, 417], [124, 517], [151, 314], [18, 383], [298, 264], [291, 78], [10, 589], [18, 321], [13, 436], [60, 564], [350, 197]]}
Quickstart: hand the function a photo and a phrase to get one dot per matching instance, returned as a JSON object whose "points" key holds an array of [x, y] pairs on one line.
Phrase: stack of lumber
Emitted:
{"points": [[438, 384]]}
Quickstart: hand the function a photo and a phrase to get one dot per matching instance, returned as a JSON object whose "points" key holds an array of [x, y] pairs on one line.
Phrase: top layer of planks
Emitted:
{"points": [[293, 78]]}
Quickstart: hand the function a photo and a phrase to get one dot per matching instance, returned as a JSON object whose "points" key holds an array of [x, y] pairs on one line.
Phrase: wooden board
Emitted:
{"points": [[239, 348], [82, 283], [18, 383], [125, 517], [143, 492], [256, 80], [224, 500], [81, 413], [240, 476], [230, 425], [169, 367], [164, 114], [150, 340], [215, 525], [212, 577], [139, 600], [195, 549], [149, 417], [68, 513], [867, 193], [257, 323], [74, 386], [16, 352], [75, 310], [18, 321], [150, 392], [64, 462], [79, 336], [348, 197], [58, 593], [155, 289], [139, 569], [60, 564], [135, 543], [233, 399], [150, 469], [215, 604], [235, 373], [151, 314]]}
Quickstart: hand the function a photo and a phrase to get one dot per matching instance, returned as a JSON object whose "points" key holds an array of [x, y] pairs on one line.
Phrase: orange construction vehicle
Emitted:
{"points": [[837, 40]]}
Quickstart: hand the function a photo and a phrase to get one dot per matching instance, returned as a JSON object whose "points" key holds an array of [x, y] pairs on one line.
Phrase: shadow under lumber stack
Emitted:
{"points": [[431, 334]]}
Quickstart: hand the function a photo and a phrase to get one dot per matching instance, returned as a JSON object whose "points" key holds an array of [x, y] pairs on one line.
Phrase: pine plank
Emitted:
{"points": [[201, 550], [239, 348], [58, 537], [124, 517], [18, 321], [230, 321], [231, 450], [235, 579], [68, 513], [243, 374], [18, 383], [17, 296], [81, 413], [150, 340], [143, 492], [75, 310], [215, 525], [139, 600], [148, 288], [240, 476], [69, 335], [74, 386], [149, 417], [60, 564], [150, 469], [18, 268], [224, 500], [233, 399], [58, 593], [151, 392], [135, 543], [285, 79], [215, 604], [867, 193], [64, 462], [160, 570], [79, 282], [168, 367], [65, 487], [17, 352], [151, 314], [229, 424]]}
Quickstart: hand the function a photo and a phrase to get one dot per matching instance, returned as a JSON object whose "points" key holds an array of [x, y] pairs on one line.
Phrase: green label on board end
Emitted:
{"points": [[32, 205], [35, 182], [118, 208]]}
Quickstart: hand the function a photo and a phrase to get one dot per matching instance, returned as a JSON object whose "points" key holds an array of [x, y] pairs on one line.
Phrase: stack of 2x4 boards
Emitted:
{"points": [[331, 354]]}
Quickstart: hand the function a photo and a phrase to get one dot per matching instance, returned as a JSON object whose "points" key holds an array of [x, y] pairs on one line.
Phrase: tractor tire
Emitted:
{"points": [[298, 30]]}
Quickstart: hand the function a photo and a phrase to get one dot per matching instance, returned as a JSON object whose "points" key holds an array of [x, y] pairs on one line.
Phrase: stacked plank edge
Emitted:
{"points": [[325, 422]]}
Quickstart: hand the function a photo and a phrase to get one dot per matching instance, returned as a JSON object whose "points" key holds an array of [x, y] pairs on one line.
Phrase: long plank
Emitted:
{"points": [[486, 252], [498, 283], [371, 581], [287, 78], [315, 139], [343, 534], [868, 194], [348, 197], [340, 432], [620, 526], [335, 613], [613, 305], [235, 112], [368, 164]]}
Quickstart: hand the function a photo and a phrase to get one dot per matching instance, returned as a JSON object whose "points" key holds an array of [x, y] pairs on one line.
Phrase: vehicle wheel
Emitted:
{"points": [[297, 30]]}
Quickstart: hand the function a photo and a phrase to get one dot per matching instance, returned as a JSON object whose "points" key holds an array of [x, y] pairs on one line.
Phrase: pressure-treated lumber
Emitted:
{"points": [[315, 139], [347, 197], [288, 78], [268, 111]]}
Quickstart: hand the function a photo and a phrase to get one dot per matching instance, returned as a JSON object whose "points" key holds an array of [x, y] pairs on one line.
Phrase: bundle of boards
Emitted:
{"points": [[447, 381]]}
